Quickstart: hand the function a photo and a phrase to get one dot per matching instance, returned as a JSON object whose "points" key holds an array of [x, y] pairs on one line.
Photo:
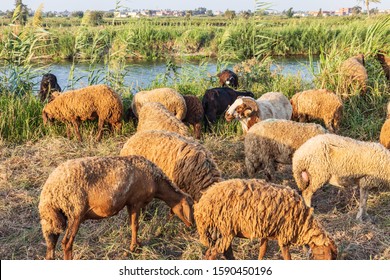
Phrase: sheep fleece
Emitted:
{"points": [[318, 104], [275, 140], [258, 209], [84, 103], [154, 116], [187, 163], [171, 99]]}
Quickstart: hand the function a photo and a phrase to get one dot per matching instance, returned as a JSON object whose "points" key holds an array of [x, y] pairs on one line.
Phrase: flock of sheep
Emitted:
{"points": [[162, 160]]}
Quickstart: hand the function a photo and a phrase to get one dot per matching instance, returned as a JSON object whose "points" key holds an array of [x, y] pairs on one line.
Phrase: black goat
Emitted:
{"points": [[215, 101], [48, 86]]}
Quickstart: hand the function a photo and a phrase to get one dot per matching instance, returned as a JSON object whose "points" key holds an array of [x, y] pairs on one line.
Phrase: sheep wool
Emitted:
{"points": [[341, 161], [154, 116], [256, 209], [187, 163], [99, 187], [250, 111], [194, 114], [171, 99], [354, 73], [274, 141], [318, 104], [86, 104]]}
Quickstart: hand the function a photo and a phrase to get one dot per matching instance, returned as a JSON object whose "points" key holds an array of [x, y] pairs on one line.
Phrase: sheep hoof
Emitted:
{"points": [[134, 247]]}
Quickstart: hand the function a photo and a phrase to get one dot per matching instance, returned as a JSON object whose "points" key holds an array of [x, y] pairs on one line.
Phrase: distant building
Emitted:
{"points": [[344, 12]]}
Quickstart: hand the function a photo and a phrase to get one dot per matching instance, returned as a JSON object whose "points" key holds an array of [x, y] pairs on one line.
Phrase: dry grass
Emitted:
{"points": [[24, 169]]}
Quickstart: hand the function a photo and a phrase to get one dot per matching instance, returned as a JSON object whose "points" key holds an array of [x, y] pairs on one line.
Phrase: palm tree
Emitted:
{"points": [[367, 3]]}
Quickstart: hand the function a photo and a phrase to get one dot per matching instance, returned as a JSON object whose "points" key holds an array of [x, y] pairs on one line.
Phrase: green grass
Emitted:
{"points": [[235, 39]]}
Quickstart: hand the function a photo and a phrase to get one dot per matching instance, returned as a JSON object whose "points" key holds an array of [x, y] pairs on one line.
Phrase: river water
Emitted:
{"points": [[142, 74]]}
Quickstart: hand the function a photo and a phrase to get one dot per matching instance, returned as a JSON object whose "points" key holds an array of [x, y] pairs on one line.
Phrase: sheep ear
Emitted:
{"points": [[248, 112], [188, 211]]}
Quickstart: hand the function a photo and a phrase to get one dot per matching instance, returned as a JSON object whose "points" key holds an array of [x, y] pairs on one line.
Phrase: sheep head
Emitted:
{"points": [[243, 107], [327, 251], [184, 210]]}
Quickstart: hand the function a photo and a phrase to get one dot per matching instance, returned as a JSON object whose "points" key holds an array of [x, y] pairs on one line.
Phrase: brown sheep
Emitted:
{"points": [[256, 209], [154, 116], [89, 103], [170, 98], [187, 163], [228, 78], [354, 72], [194, 114], [319, 104], [99, 187], [384, 137], [385, 62]]}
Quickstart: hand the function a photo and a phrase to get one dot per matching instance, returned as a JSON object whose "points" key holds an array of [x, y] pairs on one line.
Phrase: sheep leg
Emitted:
{"points": [[362, 204], [211, 254], [134, 215], [285, 252], [70, 234], [76, 129], [250, 168], [51, 241], [100, 129], [228, 254], [263, 248], [197, 130], [68, 133]]}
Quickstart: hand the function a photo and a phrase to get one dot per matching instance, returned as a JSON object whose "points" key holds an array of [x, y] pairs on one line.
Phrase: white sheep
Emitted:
{"points": [[274, 141], [256, 209], [170, 98], [99, 187], [249, 111], [154, 116], [341, 161]]}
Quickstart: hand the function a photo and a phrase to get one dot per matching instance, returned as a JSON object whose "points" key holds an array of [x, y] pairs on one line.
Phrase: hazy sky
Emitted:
{"points": [[280, 5]]}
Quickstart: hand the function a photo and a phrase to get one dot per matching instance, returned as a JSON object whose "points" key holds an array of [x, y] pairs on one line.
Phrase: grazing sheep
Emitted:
{"points": [[256, 209], [341, 161], [354, 72], [89, 103], [187, 163], [48, 86], [250, 111], [215, 101], [194, 114], [228, 78], [170, 98], [319, 104], [99, 187], [384, 137], [385, 62], [154, 116], [274, 141]]}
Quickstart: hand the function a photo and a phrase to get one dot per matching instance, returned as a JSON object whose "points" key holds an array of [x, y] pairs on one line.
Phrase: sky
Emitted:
{"points": [[221, 5]]}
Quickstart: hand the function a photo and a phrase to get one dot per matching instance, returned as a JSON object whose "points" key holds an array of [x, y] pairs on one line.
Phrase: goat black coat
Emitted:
{"points": [[215, 101]]}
